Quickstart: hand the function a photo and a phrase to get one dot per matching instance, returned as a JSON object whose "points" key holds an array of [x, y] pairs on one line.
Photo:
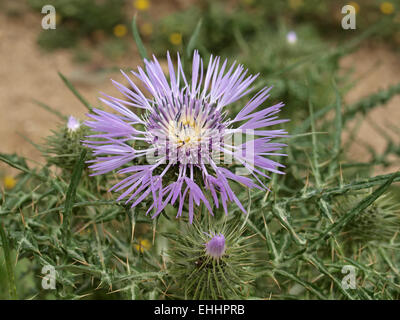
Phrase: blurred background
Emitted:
{"points": [[296, 45]]}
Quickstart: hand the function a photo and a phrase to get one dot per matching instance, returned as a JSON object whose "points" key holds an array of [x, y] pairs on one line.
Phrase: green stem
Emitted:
{"points": [[10, 272]]}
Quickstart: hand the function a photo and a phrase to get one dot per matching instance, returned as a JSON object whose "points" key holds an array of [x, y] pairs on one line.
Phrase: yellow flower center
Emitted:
{"points": [[184, 131]]}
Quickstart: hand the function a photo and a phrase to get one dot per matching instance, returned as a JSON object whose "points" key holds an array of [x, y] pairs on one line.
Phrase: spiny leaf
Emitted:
{"points": [[4, 158], [307, 285], [315, 153], [10, 272], [138, 40], [322, 268], [70, 197], [51, 110], [365, 203], [193, 39], [280, 213], [373, 100], [74, 91]]}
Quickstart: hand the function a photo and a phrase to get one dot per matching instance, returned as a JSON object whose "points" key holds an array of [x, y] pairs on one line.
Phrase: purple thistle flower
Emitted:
{"points": [[185, 130], [216, 246], [73, 124]]}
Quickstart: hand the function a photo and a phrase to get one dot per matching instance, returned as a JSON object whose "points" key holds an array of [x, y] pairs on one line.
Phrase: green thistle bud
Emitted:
{"points": [[210, 262], [379, 222], [64, 145]]}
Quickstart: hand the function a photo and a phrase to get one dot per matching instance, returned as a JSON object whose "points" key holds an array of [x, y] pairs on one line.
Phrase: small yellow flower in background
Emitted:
{"points": [[9, 182], [141, 5], [143, 245], [355, 5], [295, 4], [175, 38], [387, 8], [120, 30], [147, 29]]}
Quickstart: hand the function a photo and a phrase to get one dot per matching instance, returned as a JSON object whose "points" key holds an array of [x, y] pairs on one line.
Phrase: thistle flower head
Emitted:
{"points": [[211, 266], [64, 146], [216, 247], [73, 124], [176, 150]]}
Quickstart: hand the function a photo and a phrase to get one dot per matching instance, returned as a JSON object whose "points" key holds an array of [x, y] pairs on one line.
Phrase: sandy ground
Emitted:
{"points": [[375, 68], [27, 73]]}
